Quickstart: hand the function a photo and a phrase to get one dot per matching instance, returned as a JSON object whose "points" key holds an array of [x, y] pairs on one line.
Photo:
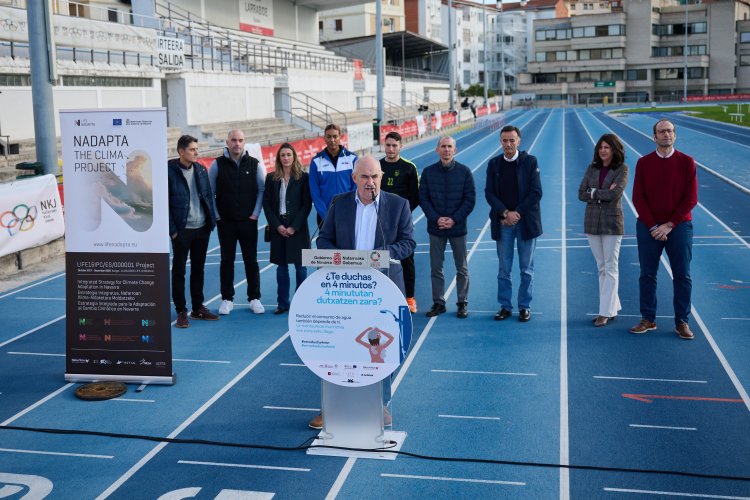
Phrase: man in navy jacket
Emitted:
{"points": [[447, 196], [514, 190]]}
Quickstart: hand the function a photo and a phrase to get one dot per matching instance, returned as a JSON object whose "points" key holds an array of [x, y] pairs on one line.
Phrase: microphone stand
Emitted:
{"points": [[333, 202]]}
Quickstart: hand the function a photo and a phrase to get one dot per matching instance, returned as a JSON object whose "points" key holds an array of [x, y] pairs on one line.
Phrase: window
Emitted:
{"points": [[566, 77], [615, 29], [611, 76], [481, 77], [481, 56], [436, 32], [572, 55], [16, 80], [679, 29], [745, 37], [693, 50], [112, 16], [467, 36], [656, 10], [560, 55], [636, 74], [320, 27], [539, 36], [103, 81], [392, 24], [467, 56], [590, 76], [552, 97], [572, 6], [677, 73], [744, 61], [467, 77], [540, 57], [655, 29], [719, 91], [548, 34], [695, 73], [544, 78], [339, 26]]}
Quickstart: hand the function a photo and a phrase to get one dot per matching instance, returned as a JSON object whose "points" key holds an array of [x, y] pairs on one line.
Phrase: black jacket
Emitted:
{"points": [[298, 207], [529, 196], [236, 187], [179, 196], [447, 192]]}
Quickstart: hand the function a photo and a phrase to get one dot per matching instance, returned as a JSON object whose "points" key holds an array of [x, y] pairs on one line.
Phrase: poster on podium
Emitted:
{"points": [[350, 326], [117, 245]]}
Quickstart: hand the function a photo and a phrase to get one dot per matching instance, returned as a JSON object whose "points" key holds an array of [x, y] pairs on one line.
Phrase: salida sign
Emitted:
{"points": [[171, 52]]}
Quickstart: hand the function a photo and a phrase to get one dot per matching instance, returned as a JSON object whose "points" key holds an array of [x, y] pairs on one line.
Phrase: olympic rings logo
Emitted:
{"points": [[8, 25], [13, 222]]}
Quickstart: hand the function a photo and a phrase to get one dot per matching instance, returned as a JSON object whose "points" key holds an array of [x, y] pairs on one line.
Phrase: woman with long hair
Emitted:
{"points": [[287, 204], [604, 223]]}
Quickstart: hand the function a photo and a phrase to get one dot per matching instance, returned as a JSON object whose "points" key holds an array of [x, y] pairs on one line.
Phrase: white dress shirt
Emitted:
{"points": [[282, 197], [660, 156], [515, 157], [367, 223]]}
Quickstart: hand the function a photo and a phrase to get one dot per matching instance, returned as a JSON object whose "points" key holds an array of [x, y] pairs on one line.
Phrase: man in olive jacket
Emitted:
{"points": [[514, 191]]}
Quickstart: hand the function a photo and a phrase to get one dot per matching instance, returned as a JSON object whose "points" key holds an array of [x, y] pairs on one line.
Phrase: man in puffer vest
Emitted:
{"points": [[238, 180]]}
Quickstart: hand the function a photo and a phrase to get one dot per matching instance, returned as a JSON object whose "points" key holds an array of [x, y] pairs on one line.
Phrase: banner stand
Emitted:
{"points": [[125, 379]]}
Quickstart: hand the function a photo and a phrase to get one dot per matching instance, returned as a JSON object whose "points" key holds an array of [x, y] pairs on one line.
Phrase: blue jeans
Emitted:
{"points": [[679, 247], [526, 249], [282, 275]]}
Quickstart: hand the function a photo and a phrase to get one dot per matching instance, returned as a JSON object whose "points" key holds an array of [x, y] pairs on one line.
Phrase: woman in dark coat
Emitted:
{"points": [[287, 204], [604, 223]]}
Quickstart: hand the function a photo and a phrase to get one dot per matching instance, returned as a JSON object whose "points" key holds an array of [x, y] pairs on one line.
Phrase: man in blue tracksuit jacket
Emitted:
{"points": [[331, 172]]}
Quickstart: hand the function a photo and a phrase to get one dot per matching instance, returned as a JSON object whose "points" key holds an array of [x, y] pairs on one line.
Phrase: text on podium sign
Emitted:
{"points": [[377, 259]]}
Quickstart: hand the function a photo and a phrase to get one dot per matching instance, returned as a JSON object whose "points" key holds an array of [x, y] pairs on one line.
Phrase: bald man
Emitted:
{"points": [[237, 181]]}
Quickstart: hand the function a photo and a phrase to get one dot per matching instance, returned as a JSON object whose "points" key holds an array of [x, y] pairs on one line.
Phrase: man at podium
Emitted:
{"points": [[368, 219]]}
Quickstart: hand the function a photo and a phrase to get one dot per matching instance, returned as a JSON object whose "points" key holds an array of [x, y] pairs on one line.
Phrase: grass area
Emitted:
{"points": [[715, 113]]}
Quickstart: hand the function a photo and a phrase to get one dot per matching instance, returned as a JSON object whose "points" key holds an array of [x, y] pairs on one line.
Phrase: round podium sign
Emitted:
{"points": [[351, 327]]}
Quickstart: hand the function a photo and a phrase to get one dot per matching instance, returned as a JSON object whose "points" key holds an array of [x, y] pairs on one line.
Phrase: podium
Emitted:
{"points": [[353, 416]]}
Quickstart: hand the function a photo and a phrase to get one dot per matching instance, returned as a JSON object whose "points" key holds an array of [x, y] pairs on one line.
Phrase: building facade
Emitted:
{"points": [[359, 20], [638, 51]]}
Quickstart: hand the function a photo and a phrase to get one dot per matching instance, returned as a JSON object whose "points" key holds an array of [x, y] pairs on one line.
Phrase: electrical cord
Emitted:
{"points": [[304, 446]]}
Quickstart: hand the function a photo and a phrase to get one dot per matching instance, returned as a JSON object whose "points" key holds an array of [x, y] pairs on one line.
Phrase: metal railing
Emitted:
{"points": [[313, 112], [392, 113], [416, 100]]}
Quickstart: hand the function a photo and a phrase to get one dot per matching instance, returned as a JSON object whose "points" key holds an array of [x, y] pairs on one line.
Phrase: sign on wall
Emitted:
{"points": [[360, 136], [256, 16], [170, 51], [30, 213], [117, 246], [82, 33]]}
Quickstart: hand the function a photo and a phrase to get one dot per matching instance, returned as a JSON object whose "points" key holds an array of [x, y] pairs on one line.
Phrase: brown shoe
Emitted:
{"points": [[317, 422], [601, 321], [683, 330], [182, 319], [643, 327], [387, 420], [204, 314]]}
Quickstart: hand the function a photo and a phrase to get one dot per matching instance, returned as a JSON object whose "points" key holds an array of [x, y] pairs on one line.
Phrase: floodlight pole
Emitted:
{"points": [[685, 72], [484, 52], [450, 51], [379, 58], [502, 57]]}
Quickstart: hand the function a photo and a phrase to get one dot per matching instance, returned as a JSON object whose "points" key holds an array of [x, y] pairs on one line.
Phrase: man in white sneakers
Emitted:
{"points": [[238, 181]]}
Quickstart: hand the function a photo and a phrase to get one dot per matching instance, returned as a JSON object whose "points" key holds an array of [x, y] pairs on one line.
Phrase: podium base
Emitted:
{"points": [[396, 436]]}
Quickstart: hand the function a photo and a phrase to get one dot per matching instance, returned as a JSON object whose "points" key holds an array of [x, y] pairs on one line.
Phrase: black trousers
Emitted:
{"points": [[193, 242], [245, 232], [409, 275]]}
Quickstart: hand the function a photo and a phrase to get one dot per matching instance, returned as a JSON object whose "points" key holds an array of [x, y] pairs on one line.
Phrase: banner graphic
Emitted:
{"points": [[723, 97], [351, 327], [256, 16], [117, 245], [30, 213]]}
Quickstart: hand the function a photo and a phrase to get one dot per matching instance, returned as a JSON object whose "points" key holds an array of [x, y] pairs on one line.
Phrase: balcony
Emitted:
{"points": [[578, 65], [678, 61]]}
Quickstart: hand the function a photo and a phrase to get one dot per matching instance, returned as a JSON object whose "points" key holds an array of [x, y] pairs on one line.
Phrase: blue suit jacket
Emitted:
{"points": [[339, 229]]}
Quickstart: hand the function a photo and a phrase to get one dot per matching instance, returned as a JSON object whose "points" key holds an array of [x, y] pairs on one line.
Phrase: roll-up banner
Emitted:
{"points": [[117, 245]]}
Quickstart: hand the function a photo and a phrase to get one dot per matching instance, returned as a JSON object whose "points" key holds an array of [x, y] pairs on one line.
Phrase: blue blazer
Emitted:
{"points": [[339, 229], [529, 195]]}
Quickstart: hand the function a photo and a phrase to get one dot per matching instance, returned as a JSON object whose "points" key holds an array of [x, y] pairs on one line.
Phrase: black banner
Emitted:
{"points": [[118, 314]]}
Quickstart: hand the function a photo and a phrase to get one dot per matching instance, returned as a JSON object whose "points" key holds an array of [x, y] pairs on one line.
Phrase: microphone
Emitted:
{"points": [[380, 224], [333, 202]]}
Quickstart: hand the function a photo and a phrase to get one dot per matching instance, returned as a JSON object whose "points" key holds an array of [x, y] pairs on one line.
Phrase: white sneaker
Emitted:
{"points": [[257, 307], [226, 307]]}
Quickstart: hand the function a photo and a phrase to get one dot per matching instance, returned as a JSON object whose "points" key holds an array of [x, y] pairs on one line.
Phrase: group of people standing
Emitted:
{"points": [[231, 194]]}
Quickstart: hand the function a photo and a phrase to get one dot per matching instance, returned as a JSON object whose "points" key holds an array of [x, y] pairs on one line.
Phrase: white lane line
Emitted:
{"points": [[37, 354], [285, 408], [31, 286], [486, 373], [341, 478], [38, 298], [665, 427], [38, 403], [730, 372], [291, 364], [219, 295], [32, 331], [202, 361], [675, 494], [564, 429], [629, 315], [653, 379], [738, 319], [716, 136], [463, 416], [189, 421], [417, 220], [134, 400], [56, 453], [459, 479], [246, 466]]}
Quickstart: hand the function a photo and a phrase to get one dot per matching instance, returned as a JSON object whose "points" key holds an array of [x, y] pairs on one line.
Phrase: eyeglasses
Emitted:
{"points": [[667, 131]]}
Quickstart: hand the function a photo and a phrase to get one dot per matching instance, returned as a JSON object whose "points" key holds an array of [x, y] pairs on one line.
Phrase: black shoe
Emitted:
{"points": [[524, 315], [503, 314], [280, 310], [462, 312], [435, 310]]}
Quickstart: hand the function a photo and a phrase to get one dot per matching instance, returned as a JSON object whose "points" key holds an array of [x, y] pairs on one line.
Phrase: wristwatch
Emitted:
{"points": [[503, 216], [670, 225]]}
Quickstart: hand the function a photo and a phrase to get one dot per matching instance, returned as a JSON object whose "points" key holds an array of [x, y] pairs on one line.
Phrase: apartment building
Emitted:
{"points": [[639, 51], [359, 20]]}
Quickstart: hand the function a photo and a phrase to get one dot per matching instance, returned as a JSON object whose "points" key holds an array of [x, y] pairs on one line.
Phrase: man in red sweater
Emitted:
{"points": [[665, 191]]}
